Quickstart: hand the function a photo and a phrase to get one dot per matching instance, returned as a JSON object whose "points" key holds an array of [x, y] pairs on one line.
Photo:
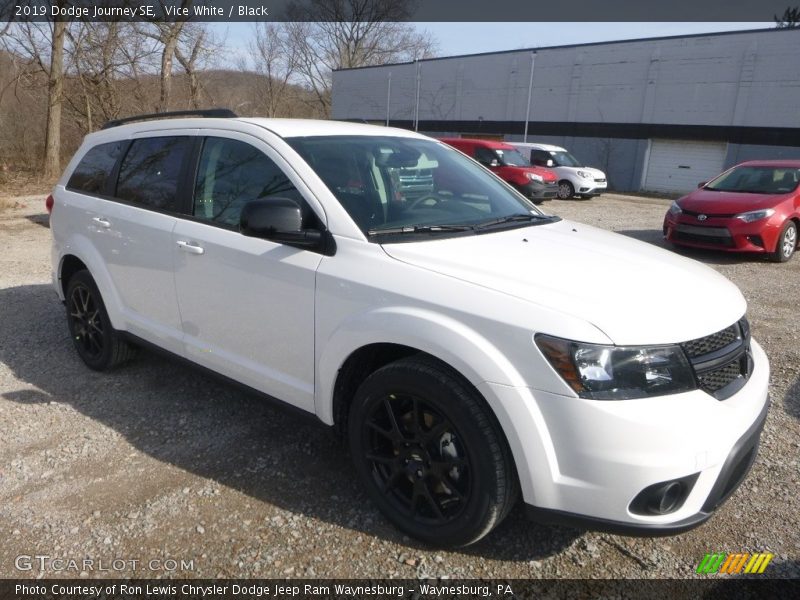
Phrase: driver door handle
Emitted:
{"points": [[190, 247], [102, 221]]}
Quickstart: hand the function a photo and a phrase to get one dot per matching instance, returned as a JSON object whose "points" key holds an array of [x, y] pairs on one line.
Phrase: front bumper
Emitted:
{"points": [[539, 191], [723, 233], [588, 187], [735, 469], [585, 461]]}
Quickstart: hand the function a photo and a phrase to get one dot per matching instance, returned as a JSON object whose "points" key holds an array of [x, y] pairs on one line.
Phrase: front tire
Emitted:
{"points": [[786, 244], [430, 453], [565, 190], [98, 344]]}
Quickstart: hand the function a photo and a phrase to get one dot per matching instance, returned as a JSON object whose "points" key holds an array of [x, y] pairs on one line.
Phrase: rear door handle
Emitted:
{"points": [[103, 222], [190, 247]]}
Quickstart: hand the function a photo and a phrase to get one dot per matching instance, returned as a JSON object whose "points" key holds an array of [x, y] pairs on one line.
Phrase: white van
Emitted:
{"points": [[460, 339], [573, 178]]}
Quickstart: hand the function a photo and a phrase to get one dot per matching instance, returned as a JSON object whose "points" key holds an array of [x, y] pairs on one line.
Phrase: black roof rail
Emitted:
{"points": [[220, 113]]}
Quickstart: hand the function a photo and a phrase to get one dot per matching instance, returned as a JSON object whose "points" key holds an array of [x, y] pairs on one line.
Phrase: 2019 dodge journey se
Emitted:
{"points": [[468, 347]]}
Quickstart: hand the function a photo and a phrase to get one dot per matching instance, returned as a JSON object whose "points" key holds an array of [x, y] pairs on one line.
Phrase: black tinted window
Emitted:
{"points": [[150, 171], [540, 157], [233, 173], [92, 172]]}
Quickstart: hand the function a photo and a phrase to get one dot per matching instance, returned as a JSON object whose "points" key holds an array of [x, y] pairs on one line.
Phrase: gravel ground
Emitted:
{"points": [[157, 462]]}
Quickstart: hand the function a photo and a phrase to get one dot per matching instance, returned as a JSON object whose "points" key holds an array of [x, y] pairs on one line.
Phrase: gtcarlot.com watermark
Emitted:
{"points": [[43, 563]]}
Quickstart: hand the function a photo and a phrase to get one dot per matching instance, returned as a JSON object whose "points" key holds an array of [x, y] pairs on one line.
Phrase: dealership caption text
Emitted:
{"points": [[142, 11], [274, 590]]}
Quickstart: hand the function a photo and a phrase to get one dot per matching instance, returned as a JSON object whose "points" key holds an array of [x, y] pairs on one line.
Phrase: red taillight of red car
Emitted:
{"points": [[49, 203]]}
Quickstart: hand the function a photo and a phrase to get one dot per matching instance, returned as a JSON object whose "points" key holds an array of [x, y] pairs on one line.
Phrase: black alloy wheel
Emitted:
{"points": [[430, 452], [417, 459], [85, 323], [98, 344]]}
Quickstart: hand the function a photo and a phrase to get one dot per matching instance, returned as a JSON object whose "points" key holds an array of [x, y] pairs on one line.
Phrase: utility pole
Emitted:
{"points": [[530, 95]]}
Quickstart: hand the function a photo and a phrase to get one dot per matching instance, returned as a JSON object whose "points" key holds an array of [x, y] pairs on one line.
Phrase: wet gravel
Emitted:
{"points": [[156, 470]]}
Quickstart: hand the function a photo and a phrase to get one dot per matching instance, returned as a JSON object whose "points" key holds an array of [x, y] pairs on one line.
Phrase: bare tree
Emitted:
{"points": [[195, 47], [790, 18], [167, 34], [336, 34], [275, 60], [42, 47], [106, 61]]}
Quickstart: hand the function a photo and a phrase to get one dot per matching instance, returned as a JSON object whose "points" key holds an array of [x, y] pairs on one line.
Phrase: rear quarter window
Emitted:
{"points": [[151, 171], [92, 173]]}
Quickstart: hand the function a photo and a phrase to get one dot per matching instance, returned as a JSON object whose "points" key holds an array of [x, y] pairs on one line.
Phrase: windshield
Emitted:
{"points": [[757, 180], [511, 158], [565, 159], [388, 184]]}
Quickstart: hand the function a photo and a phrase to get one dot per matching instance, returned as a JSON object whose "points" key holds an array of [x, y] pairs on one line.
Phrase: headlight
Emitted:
{"points": [[535, 177], [585, 175], [755, 215], [674, 209], [617, 372]]}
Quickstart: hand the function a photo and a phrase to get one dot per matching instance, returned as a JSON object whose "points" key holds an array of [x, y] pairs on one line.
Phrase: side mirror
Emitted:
{"points": [[494, 163], [277, 220], [701, 184], [550, 163]]}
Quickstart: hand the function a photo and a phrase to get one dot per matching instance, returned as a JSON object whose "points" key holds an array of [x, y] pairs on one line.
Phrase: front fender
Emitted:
{"points": [[467, 351], [453, 342]]}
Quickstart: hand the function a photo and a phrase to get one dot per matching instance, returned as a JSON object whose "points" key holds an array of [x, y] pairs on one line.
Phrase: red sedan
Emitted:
{"points": [[752, 207]]}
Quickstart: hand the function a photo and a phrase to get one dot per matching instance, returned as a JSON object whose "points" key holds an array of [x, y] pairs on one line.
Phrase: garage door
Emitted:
{"points": [[679, 165]]}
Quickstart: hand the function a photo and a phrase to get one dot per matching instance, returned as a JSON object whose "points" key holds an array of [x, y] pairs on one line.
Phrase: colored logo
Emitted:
{"points": [[734, 564]]}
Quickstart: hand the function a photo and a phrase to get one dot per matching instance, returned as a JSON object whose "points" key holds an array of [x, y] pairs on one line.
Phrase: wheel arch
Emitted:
{"points": [[70, 264], [81, 254]]}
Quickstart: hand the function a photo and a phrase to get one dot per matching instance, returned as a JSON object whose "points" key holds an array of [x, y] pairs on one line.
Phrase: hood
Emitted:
{"points": [[727, 203], [634, 292], [549, 175], [596, 173]]}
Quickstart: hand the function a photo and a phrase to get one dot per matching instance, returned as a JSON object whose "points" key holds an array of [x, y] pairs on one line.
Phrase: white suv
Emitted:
{"points": [[573, 178], [466, 345]]}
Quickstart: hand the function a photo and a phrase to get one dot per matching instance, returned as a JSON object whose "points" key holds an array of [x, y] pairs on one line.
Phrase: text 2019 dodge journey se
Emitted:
{"points": [[469, 348]]}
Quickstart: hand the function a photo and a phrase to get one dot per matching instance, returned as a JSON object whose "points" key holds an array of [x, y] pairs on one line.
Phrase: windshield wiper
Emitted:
{"points": [[518, 218], [420, 229]]}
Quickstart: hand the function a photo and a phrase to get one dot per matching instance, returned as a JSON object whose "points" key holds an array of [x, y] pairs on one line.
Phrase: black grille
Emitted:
{"points": [[712, 343], [721, 361], [692, 213], [703, 239], [717, 379]]}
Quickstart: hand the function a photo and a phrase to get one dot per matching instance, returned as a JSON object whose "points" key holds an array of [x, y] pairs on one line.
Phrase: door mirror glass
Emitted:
{"points": [[279, 220]]}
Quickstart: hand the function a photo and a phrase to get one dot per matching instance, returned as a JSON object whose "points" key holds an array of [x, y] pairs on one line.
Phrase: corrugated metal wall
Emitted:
{"points": [[738, 80]]}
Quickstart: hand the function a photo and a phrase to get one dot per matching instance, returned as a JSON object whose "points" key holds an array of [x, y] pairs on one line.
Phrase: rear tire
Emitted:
{"points": [[786, 244], [430, 453], [99, 345]]}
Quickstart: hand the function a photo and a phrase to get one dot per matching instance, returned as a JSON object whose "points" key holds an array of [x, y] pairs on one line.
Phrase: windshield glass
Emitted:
{"points": [[757, 180], [565, 159], [386, 183], [512, 158]]}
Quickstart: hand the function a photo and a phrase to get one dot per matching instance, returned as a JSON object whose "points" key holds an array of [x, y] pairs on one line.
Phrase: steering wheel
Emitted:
{"points": [[424, 200]]}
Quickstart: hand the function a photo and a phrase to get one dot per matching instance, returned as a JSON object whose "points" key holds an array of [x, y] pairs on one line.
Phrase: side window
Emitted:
{"points": [[540, 157], [484, 155], [150, 171], [231, 174], [91, 174]]}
